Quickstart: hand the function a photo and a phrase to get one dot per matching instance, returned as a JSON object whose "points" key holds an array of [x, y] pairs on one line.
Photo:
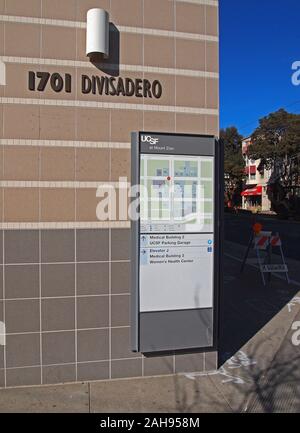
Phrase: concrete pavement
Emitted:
{"points": [[260, 369]]}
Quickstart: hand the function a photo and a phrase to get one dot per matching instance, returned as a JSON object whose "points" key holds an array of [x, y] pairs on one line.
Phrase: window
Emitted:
{"points": [[253, 172]]}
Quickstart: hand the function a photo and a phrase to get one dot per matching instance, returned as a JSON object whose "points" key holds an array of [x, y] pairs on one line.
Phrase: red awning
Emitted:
{"points": [[252, 192]]}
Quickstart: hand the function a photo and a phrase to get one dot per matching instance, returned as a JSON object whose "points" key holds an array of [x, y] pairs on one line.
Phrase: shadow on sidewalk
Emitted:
{"points": [[247, 305], [276, 389]]}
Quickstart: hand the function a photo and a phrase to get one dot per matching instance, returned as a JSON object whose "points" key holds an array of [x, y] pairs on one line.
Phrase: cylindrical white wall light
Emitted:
{"points": [[97, 34]]}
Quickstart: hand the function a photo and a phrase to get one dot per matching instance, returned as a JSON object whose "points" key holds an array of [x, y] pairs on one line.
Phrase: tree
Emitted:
{"points": [[276, 138], [233, 160], [275, 142], [234, 166]]}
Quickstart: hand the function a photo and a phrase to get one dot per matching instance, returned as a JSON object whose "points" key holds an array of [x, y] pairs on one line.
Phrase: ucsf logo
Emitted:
{"points": [[149, 139]]}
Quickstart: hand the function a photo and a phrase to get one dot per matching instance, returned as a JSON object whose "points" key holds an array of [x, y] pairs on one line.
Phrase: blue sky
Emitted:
{"points": [[259, 41]]}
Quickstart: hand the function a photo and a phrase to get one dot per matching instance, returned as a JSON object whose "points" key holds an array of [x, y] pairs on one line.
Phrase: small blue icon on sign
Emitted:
{"points": [[143, 241], [144, 257], [210, 242], [209, 250]]}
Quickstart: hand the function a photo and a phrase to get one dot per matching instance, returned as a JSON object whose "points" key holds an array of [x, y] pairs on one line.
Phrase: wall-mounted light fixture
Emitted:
{"points": [[97, 34]]}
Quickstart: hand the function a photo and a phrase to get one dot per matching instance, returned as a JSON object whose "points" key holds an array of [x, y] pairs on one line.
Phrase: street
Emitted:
{"points": [[238, 229], [246, 304], [256, 321]]}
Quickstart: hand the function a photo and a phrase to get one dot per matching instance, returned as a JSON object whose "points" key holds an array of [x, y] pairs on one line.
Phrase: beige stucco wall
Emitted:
{"points": [[64, 283]]}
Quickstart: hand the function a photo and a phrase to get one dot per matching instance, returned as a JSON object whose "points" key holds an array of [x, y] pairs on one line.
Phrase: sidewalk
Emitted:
{"points": [[261, 370], [265, 369]]}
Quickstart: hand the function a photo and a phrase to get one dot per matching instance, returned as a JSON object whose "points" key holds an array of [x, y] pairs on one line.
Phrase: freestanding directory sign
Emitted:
{"points": [[176, 243]]}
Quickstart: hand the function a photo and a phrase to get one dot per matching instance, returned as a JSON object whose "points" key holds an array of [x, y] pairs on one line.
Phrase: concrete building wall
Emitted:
{"points": [[64, 275]]}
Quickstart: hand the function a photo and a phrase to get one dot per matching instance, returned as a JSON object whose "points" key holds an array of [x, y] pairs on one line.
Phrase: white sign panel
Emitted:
{"points": [[176, 272], [176, 238]]}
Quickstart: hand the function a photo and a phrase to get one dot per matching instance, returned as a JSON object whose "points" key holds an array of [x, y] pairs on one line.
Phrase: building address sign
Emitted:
{"points": [[94, 84]]}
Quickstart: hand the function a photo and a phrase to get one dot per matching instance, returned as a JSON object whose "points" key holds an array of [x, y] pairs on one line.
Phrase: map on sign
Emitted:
{"points": [[177, 193]]}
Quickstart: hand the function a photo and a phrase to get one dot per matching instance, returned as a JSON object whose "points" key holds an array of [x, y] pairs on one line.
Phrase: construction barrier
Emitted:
{"points": [[265, 242]]}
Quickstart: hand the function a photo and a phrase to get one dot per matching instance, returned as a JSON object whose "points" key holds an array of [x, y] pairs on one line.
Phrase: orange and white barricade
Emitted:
{"points": [[276, 241], [263, 241]]}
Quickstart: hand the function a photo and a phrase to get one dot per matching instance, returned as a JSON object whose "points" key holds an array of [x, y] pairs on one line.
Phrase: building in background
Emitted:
{"points": [[255, 195], [65, 126]]}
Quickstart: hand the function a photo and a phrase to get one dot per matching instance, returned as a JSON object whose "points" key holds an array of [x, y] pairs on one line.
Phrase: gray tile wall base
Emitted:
{"points": [[67, 319], [104, 370]]}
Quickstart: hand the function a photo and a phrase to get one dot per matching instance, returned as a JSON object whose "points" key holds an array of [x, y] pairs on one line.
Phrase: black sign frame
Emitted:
{"points": [[210, 146]]}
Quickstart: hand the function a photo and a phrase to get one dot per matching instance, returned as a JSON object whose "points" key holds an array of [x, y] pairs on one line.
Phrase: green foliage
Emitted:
{"points": [[234, 165], [277, 137]]}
